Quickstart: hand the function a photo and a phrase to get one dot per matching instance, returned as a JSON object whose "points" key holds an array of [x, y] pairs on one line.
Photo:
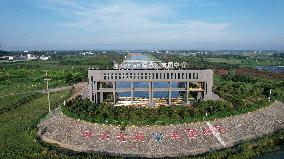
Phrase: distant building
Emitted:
{"points": [[31, 57], [44, 58], [10, 58]]}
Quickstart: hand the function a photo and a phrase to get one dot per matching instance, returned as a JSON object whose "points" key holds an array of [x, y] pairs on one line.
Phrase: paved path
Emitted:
{"points": [[53, 90], [80, 89], [161, 141]]}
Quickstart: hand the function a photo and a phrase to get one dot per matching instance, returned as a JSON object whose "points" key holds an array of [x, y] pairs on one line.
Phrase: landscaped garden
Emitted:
{"points": [[240, 94]]}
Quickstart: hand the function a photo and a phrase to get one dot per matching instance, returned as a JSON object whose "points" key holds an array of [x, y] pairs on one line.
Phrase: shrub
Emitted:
{"points": [[86, 110]]}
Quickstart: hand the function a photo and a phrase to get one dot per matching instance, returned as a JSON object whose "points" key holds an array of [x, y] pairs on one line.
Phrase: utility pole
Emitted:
{"points": [[47, 79]]}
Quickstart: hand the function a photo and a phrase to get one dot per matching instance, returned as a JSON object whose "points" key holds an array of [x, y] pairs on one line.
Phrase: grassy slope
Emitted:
{"points": [[17, 135]]}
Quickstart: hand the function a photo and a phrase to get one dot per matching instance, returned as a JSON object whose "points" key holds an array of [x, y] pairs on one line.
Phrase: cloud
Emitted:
{"points": [[131, 21]]}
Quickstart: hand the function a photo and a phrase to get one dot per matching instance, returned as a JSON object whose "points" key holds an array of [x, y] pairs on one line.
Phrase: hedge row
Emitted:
{"points": [[127, 115]]}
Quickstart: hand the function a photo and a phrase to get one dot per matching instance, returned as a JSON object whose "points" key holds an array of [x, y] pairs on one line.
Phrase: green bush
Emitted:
{"points": [[106, 114]]}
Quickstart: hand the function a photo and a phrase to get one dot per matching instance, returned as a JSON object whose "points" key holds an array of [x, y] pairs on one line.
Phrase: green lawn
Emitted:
{"points": [[18, 136], [12, 92]]}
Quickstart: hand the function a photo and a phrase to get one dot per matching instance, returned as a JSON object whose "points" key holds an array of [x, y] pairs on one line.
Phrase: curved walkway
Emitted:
{"points": [[160, 141]]}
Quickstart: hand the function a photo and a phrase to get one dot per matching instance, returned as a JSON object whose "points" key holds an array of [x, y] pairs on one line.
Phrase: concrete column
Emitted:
{"points": [[170, 93], [101, 97], [132, 89], [91, 88], [152, 85], [114, 91], [199, 96], [208, 85], [95, 88], [150, 93], [186, 94]]}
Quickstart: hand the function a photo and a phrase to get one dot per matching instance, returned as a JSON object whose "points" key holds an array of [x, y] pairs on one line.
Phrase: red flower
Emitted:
{"points": [[87, 134], [175, 135], [220, 128], [104, 135], [192, 133], [207, 131], [121, 137], [139, 137]]}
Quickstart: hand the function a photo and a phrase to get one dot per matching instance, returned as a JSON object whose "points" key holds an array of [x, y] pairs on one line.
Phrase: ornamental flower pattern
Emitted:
{"points": [[158, 136], [140, 137], [121, 137], [104, 135], [175, 135]]}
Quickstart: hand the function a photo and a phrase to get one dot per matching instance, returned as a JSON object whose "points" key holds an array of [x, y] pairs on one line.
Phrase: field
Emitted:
{"points": [[21, 107], [18, 133], [224, 60]]}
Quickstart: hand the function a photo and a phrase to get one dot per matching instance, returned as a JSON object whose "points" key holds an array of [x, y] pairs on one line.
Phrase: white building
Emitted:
{"points": [[44, 58], [31, 57]]}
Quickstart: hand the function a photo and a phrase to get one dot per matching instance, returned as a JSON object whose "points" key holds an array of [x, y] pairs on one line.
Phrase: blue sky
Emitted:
{"points": [[141, 24]]}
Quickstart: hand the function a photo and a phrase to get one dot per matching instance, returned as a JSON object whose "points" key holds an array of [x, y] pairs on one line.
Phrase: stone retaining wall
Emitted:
{"points": [[176, 140]]}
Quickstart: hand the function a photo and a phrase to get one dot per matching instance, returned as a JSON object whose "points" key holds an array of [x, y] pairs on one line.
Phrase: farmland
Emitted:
{"points": [[21, 107]]}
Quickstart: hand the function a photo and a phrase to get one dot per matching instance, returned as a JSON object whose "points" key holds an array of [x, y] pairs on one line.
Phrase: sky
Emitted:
{"points": [[142, 24]]}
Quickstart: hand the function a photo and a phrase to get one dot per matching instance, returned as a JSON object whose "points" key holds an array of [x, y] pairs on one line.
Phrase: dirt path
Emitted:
{"points": [[79, 89]]}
